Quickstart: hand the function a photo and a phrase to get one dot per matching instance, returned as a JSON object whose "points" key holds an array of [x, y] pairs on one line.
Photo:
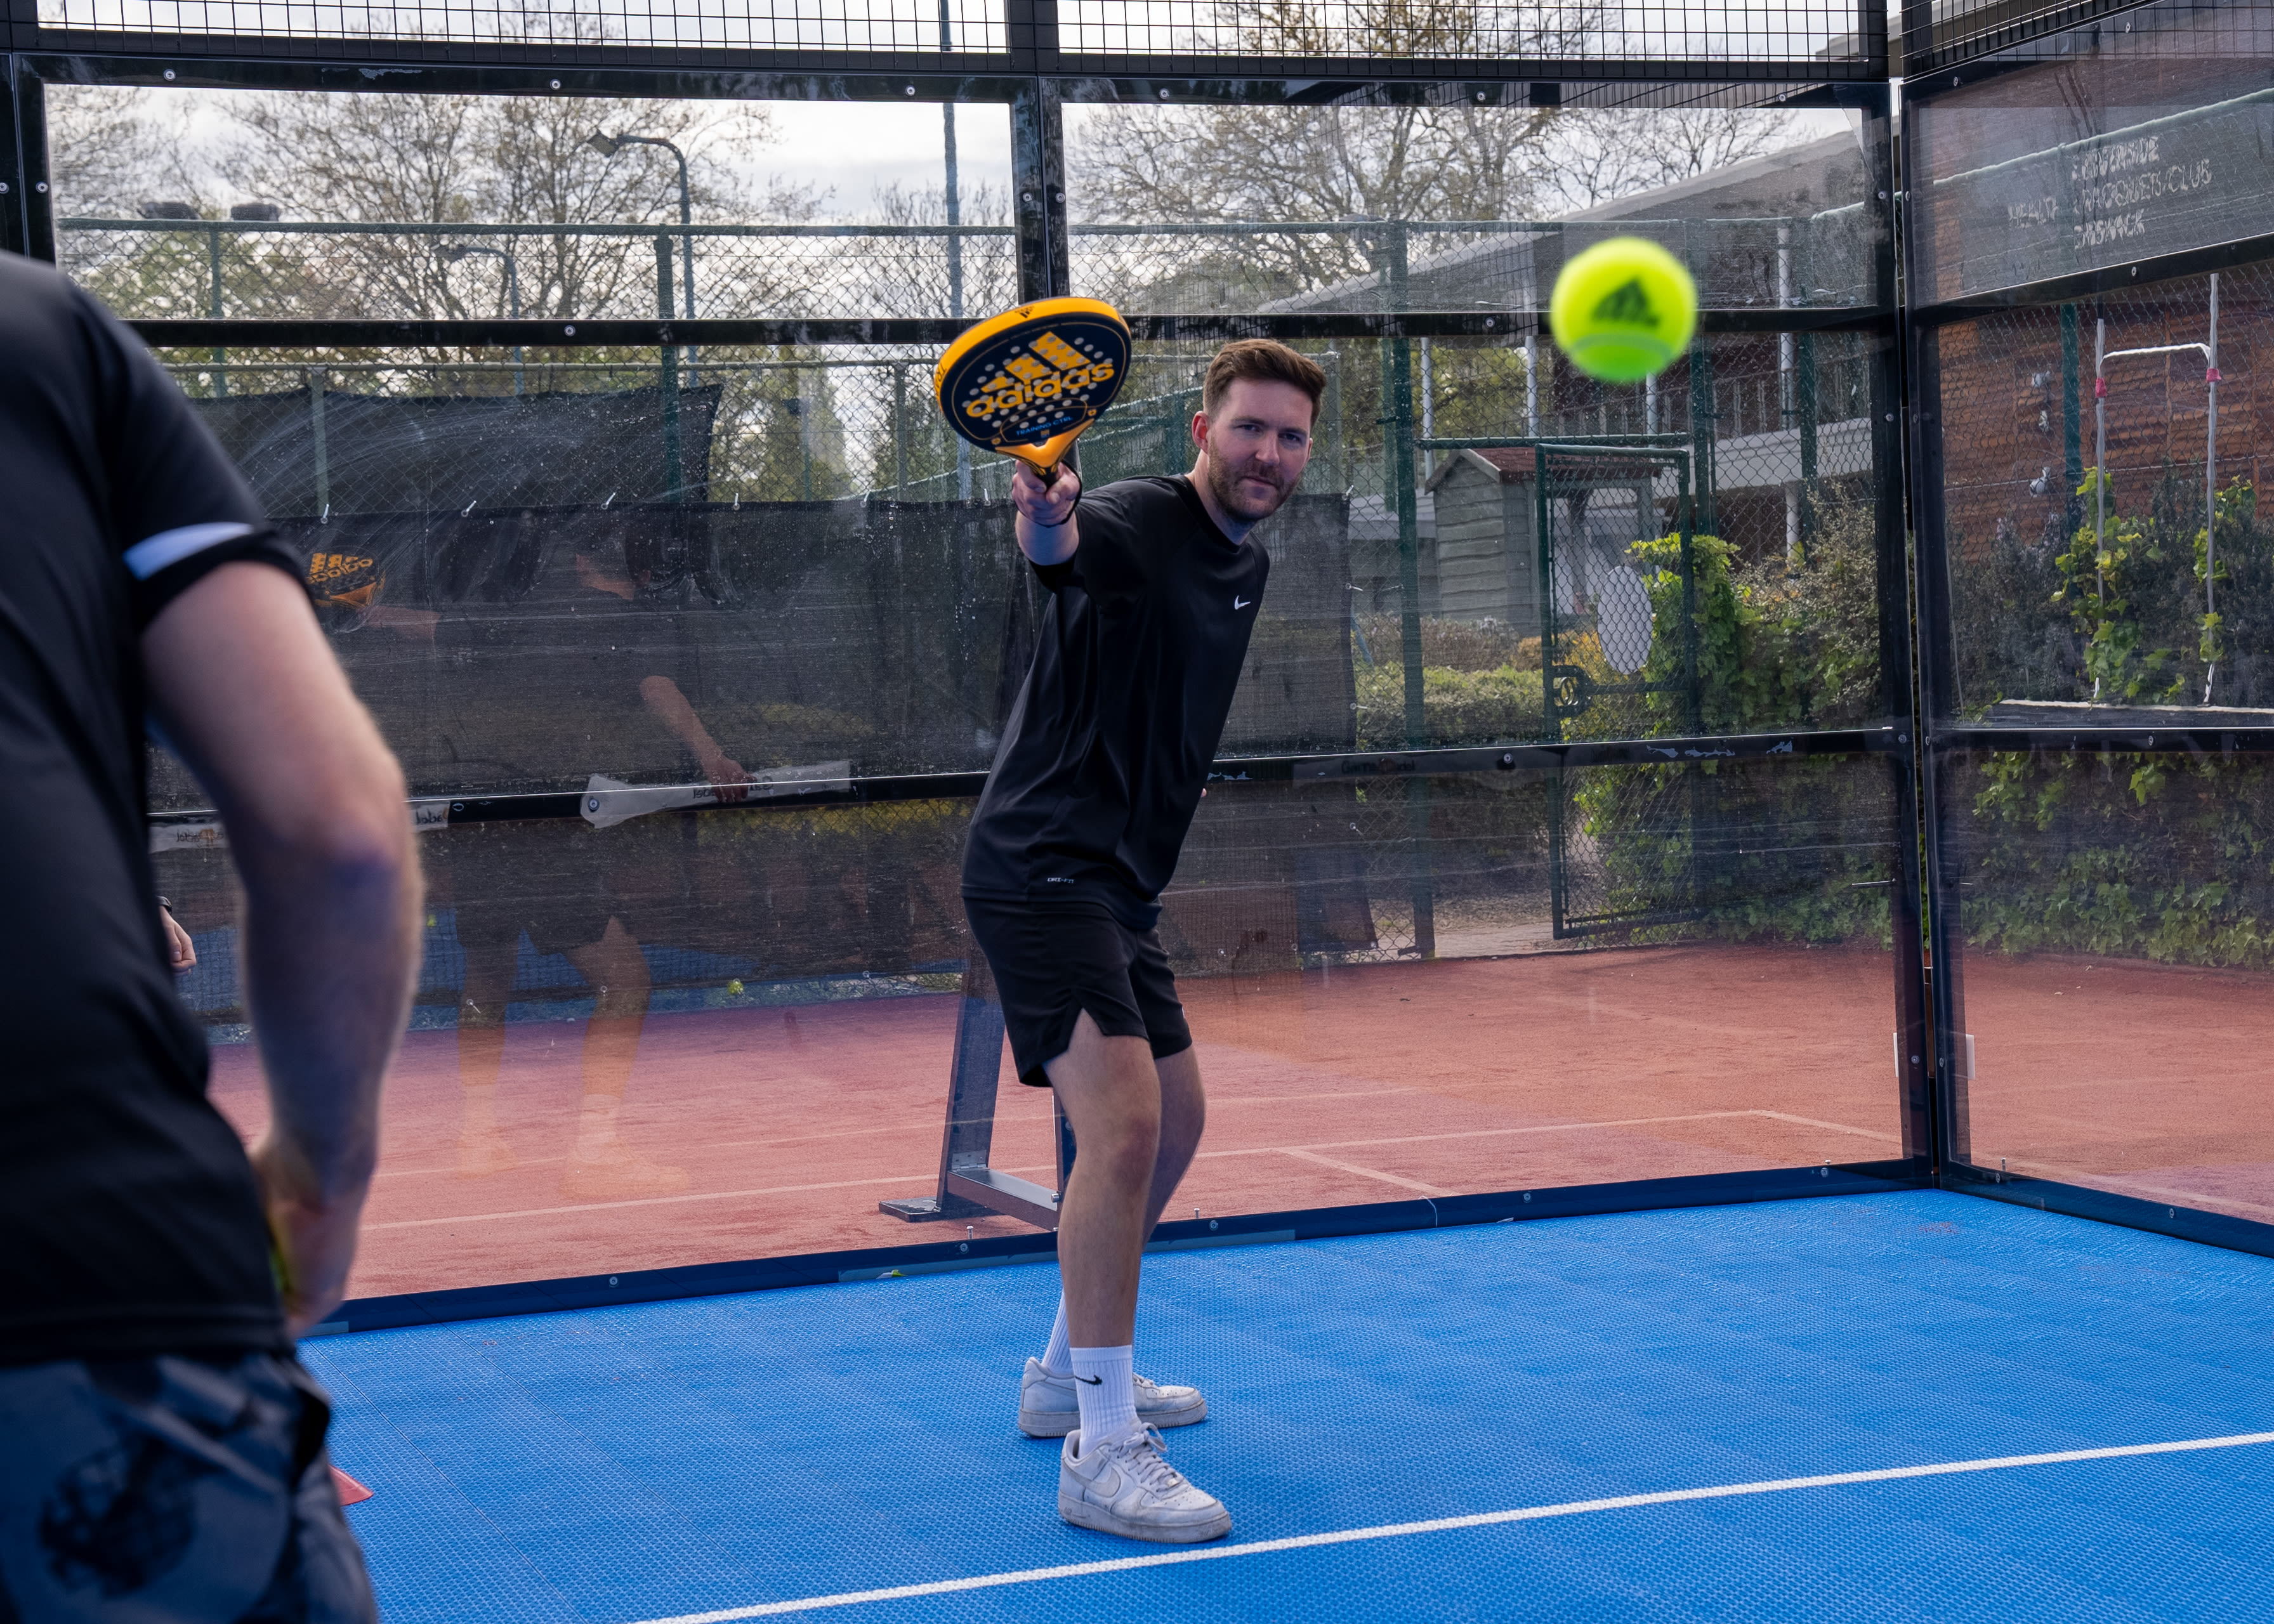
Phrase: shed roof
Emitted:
{"points": [[1515, 464]]}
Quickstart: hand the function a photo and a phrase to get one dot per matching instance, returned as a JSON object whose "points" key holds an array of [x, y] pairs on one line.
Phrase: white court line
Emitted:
{"points": [[1489, 1519], [1206, 1155], [1350, 1167]]}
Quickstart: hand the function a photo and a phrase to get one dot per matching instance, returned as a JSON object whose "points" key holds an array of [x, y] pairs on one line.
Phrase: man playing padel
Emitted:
{"points": [[1155, 585]]}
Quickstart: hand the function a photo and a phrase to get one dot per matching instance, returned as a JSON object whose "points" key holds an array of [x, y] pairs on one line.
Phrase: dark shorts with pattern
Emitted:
{"points": [[172, 1490], [1052, 962]]}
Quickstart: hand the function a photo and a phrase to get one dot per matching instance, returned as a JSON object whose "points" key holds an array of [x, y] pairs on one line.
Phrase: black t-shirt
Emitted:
{"points": [[129, 1218], [1102, 762]]}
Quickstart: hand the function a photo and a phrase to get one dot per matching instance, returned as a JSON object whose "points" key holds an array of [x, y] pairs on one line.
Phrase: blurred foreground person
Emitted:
{"points": [[165, 1449]]}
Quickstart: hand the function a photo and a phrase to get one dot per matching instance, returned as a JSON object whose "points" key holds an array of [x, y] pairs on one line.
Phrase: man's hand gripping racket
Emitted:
{"points": [[1029, 382]]}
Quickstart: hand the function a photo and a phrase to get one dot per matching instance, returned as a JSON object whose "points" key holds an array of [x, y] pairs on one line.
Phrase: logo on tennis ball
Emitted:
{"points": [[1623, 310], [1627, 305]]}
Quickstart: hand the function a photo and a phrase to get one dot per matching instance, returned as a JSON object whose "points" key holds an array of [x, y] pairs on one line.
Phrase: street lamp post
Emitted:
{"points": [[456, 251], [608, 146], [952, 197]]}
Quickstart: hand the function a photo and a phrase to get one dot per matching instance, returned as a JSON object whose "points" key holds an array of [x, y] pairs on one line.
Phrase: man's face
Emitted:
{"points": [[1257, 442]]}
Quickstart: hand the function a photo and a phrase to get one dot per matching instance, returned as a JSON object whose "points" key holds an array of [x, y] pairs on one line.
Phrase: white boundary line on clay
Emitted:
{"points": [[1244, 1150]]}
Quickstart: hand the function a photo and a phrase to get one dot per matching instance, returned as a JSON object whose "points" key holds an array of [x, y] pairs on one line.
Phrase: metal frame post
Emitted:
{"points": [[674, 474], [320, 444]]}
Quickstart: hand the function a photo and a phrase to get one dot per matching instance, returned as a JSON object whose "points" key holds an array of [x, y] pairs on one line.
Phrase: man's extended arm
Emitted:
{"points": [[668, 704], [246, 690], [1048, 530]]}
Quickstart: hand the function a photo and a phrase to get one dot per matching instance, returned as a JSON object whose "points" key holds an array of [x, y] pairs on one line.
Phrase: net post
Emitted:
{"points": [[973, 1074]]}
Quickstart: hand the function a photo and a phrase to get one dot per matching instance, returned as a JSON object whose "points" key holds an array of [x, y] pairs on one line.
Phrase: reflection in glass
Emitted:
{"points": [[2093, 149], [689, 1037], [2114, 941]]}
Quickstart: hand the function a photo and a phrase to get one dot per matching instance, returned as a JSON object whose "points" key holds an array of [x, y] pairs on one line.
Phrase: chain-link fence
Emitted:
{"points": [[310, 270], [906, 26], [2084, 443], [1826, 37], [1799, 853], [307, 270]]}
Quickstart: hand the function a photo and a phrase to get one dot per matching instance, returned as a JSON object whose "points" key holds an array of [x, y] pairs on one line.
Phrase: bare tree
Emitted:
{"points": [[522, 160], [910, 275], [1593, 156], [110, 150], [1396, 160]]}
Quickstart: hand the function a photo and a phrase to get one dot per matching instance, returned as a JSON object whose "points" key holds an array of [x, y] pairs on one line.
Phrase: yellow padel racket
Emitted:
{"points": [[1029, 381]]}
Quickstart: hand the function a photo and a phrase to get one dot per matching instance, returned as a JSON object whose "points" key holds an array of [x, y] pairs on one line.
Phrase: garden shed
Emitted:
{"points": [[1487, 550]]}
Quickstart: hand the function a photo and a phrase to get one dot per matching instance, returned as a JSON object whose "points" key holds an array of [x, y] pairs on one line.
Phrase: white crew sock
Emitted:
{"points": [[1057, 1358], [1106, 1391]]}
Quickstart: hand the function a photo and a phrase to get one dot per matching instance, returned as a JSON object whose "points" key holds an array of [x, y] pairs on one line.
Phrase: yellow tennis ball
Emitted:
{"points": [[1623, 310]]}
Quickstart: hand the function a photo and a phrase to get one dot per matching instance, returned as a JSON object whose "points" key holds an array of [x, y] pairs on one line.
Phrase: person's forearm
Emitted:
{"points": [[331, 946], [1049, 544], [668, 705]]}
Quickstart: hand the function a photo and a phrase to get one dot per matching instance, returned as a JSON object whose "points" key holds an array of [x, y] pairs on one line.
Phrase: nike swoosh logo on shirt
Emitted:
{"points": [[1238, 602]]}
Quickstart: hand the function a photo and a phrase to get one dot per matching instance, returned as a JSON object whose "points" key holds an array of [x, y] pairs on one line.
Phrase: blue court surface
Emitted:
{"points": [[786, 1452]]}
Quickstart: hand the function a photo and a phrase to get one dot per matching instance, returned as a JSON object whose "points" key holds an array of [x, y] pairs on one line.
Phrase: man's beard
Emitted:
{"points": [[1223, 484]]}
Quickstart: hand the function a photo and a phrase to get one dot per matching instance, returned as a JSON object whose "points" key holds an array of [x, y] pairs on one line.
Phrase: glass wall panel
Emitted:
{"points": [[313, 206], [2080, 599], [2111, 938], [1467, 207], [2141, 134], [2095, 580], [681, 1039], [715, 613]]}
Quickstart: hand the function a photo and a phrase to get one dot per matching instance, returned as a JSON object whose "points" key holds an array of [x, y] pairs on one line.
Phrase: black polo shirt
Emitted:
{"points": [[129, 1218], [1102, 762]]}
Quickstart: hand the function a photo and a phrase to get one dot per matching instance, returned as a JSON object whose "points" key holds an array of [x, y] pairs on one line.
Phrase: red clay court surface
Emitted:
{"points": [[1368, 1083]]}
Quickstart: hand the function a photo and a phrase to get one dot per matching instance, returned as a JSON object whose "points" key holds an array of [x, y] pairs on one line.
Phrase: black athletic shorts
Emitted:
{"points": [[1053, 961], [133, 1490]]}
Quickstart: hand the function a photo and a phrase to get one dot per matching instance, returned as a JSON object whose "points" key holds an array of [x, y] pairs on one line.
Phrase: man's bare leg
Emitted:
{"points": [[601, 1164], [489, 957], [1111, 1094], [1135, 1126], [1045, 1413], [1184, 1118]]}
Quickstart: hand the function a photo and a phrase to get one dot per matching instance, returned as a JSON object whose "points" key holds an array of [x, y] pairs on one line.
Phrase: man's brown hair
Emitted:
{"points": [[1262, 360]]}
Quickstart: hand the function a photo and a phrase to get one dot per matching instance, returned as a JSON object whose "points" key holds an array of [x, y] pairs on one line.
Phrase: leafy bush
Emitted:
{"points": [[1454, 644], [2084, 614], [1781, 851], [2122, 853], [1458, 707]]}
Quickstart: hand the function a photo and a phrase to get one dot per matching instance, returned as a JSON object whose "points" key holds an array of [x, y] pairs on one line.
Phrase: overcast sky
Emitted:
{"points": [[856, 147]]}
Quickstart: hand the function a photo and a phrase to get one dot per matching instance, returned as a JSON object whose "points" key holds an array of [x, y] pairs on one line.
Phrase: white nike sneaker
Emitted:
{"points": [[1125, 1486], [1048, 1407]]}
